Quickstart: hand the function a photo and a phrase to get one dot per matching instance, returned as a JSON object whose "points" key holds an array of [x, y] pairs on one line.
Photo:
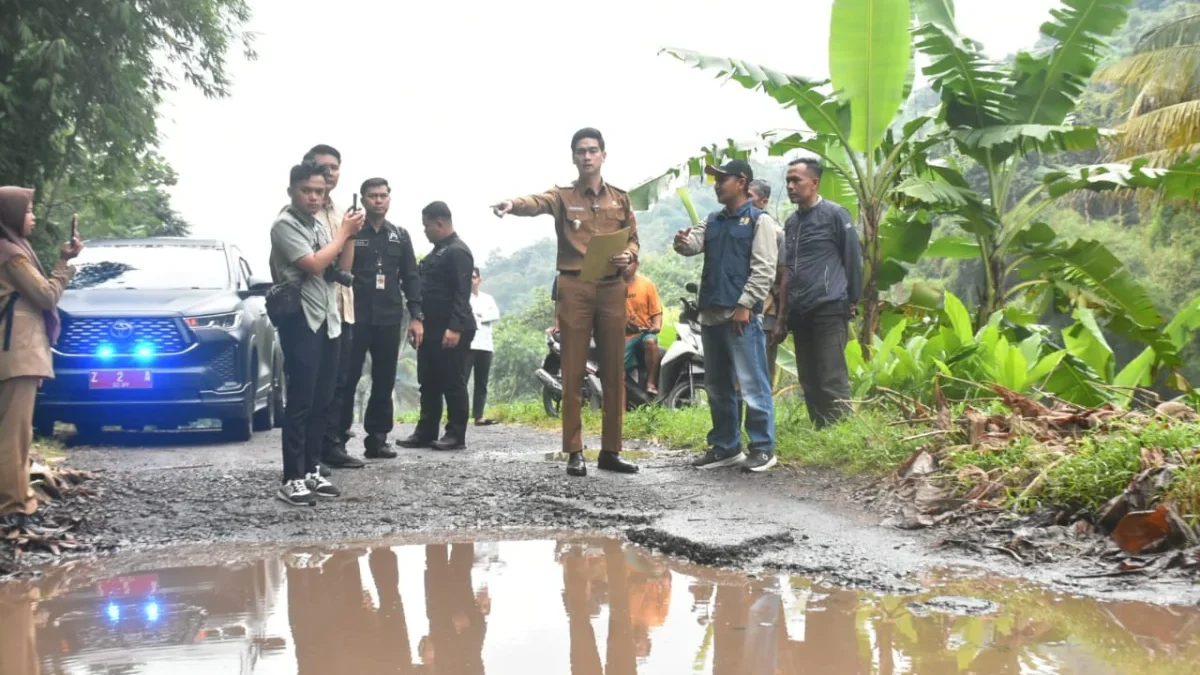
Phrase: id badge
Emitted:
{"points": [[380, 282]]}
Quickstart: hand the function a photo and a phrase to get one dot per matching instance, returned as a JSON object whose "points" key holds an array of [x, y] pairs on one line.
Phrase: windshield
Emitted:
{"points": [[150, 267]]}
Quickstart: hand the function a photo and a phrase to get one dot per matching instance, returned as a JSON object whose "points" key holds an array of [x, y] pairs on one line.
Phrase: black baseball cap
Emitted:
{"points": [[734, 167]]}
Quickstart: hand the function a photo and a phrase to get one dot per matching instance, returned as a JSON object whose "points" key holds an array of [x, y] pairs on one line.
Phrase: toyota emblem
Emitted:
{"points": [[121, 329]]}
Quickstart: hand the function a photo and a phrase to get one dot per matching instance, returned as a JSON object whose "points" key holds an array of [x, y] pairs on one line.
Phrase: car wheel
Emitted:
{"points": [[43, 428], [237, 430]]}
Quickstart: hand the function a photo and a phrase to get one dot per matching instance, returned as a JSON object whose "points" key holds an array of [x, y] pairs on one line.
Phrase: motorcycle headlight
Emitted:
{"points": [[228, 321]]}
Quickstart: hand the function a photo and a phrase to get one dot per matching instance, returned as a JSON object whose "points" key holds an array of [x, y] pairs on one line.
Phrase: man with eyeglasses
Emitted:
{"points": [[587, 207]]}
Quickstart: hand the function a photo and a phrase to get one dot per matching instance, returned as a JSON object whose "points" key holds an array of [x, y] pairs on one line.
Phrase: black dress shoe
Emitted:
{"points": [[575, 465], [611, 461], [449, 442], [339, 459], [377, 447], [415, 441]]}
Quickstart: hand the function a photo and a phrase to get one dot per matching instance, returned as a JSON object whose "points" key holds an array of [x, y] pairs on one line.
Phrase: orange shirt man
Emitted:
{"points": [[645, 322]]}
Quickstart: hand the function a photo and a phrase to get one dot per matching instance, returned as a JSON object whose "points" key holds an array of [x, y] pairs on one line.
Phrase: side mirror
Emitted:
{"points": [[691, 288], [258, 287]]}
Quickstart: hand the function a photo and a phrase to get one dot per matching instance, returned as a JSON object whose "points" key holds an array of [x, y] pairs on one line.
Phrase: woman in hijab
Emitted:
{"points": [[29, 325]]}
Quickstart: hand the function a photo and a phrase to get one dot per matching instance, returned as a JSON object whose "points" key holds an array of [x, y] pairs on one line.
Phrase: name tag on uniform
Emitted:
{"points": [[380, 282], [359, 243]]}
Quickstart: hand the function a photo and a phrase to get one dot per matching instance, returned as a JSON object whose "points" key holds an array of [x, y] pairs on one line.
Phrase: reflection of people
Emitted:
{"points": [[486, 313], [457, 626], [585, 579], [444, 354], [328, 615], [18, 637], [643, 326], [28, 314], [585, 308]]}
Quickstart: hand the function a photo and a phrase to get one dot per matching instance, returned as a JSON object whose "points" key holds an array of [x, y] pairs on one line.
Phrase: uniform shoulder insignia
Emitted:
{"points": [[565, 186], [616, 189]]}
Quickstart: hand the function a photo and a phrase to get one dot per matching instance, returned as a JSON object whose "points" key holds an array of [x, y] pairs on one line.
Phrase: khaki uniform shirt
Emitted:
{"points": [[331, 217], [579, 213], [28, 353]]}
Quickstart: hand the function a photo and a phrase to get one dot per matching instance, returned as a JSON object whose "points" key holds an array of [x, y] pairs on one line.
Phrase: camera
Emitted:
{"points": [[338, 276]]}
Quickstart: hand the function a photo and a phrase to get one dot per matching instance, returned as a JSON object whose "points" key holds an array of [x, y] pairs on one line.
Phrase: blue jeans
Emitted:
{"points": [[744, 357]]}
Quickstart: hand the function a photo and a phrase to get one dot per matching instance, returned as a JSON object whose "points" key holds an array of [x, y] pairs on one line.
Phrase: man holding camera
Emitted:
{"points": [[303, 307], [385, 276], [330, 215]]}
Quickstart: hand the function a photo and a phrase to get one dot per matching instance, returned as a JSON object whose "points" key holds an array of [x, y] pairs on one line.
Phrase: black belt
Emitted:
{"points": [[575, 273]]}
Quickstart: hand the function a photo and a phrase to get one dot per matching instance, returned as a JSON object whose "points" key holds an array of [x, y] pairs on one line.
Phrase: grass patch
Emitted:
{"points": [[865, 442], [49, 448]]}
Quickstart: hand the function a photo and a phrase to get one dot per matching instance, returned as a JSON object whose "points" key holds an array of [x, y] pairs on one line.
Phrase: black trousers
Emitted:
{"points": [[334, 436], [383, 342], [442, 374], [481, 366], [309, 360], [821, 337]]}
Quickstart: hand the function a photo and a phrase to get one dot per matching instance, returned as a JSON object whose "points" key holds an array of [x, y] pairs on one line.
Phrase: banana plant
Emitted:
{"points": [[848, 122]]}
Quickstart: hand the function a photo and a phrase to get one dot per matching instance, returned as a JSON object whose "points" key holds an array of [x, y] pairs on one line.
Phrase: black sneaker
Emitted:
{"points": [[296, 493], [318, 485], [715, 459], [759, 461]]}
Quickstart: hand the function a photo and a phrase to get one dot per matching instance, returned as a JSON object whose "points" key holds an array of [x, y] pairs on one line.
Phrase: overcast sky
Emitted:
{"points": [[471, 102]]}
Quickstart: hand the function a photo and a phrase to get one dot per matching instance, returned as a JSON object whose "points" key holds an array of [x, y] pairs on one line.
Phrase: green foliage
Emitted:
{"points": [[80, 84]]}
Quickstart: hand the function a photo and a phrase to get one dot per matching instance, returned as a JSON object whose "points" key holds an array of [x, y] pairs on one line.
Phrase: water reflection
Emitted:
{"points": [[583, 606]]}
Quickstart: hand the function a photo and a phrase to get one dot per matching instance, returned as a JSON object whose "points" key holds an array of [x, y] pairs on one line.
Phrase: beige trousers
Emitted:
{"points": [[17, 396]]}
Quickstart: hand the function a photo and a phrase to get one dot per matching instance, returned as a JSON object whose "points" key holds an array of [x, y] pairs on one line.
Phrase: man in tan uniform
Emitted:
{"points": [[587, 207]]}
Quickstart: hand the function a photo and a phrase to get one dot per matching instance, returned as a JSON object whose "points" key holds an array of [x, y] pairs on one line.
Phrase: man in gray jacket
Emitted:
{"points": [[819, 291]]}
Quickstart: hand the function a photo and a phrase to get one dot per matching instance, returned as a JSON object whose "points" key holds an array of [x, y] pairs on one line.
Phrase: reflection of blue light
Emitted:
{"points": [[152, 611], [114, 612], [104, 351]]}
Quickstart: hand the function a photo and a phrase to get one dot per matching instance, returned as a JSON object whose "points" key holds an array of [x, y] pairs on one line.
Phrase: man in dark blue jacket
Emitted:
{"points": [[740, 250], [819, 291]]}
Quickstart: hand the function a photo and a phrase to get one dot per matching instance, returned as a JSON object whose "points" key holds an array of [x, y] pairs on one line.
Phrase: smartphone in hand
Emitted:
{"points": [[354, 204], [74, 227]]}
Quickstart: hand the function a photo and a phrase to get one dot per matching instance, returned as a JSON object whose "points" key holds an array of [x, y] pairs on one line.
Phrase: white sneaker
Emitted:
{"points": [[296, 493]]}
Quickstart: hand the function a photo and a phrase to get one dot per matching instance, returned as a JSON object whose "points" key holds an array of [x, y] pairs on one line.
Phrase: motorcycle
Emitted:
{"points": [[680, 373], [551, 376]]}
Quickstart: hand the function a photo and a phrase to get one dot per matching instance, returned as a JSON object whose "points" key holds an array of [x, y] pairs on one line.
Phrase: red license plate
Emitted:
{"points": [[144, 584], [120, 379]]}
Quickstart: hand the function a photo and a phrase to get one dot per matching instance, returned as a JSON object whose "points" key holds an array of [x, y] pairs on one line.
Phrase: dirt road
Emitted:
{"points": [[184, 489]]}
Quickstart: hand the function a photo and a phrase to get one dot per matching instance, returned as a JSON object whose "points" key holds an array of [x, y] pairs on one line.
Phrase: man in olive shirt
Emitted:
{"points": [[301, 252], [445, 352], [333, 448], [587, 207], [385, 275]]}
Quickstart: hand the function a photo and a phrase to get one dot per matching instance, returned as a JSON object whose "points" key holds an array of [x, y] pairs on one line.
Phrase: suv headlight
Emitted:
{"points": [[229, 321]]}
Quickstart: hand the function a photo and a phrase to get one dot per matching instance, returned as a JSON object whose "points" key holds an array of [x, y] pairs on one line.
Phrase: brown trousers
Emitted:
{"points": [[586, 308], [17, 396], [18, 636]]}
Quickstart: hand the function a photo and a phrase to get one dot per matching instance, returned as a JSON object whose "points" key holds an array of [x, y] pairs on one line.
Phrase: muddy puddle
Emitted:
{"points": [[578, 606]]}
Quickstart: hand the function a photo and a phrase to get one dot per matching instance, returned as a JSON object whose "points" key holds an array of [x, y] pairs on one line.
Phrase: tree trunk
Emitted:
{"points": [[870, 296]]}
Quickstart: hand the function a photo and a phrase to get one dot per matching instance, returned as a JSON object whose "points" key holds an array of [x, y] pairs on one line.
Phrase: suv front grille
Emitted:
{"points": [[123, 336]]}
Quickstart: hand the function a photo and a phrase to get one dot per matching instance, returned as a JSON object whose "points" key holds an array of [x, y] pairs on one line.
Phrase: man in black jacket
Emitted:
{"points": [[444, 354], [819, 291], [385, 276]]}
